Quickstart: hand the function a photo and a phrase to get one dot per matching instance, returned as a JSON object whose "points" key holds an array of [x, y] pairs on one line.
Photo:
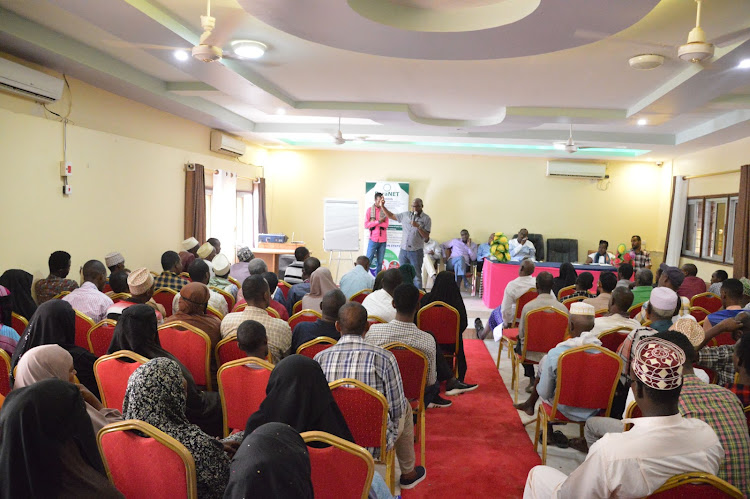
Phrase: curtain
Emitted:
{"points": [[195, 204], [260, 192], [224, 210], [677, 221], [742, 226]]}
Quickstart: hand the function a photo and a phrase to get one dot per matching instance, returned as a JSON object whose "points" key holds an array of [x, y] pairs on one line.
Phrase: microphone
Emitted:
{"points": [[413, 216]]}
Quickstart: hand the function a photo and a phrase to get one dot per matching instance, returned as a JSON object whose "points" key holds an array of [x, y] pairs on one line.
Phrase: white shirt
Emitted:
{"points": [[433, 249], [513, 292], [380, 304], [215, 300], [520, 251], [601, 257], [89, 300], [602, 324]]}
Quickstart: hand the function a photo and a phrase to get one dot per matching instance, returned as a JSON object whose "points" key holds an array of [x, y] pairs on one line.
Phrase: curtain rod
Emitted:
{"points": [[688, 177], [252, 179]]}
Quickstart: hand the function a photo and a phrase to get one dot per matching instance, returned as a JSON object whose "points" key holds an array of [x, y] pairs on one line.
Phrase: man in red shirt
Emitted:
{"points": [[376, 221], [692, 285]]}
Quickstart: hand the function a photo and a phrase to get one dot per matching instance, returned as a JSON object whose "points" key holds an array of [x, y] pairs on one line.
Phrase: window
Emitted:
{"points": [[691, 243], [709, 228], [245, 219], [730, 228]]}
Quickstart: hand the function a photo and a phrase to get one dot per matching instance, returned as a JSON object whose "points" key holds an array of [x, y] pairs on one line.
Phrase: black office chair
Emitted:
{"points": [[538, 241], [562, 250]]}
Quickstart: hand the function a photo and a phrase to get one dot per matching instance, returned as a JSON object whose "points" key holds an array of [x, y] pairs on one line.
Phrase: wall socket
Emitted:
{"points": [[66, 169], [67, 190]]}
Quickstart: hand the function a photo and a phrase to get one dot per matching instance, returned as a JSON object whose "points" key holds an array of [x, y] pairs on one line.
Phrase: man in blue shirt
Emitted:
{"points": [[357, 279]]}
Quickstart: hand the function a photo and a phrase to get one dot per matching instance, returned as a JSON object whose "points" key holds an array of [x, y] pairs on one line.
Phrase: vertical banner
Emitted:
{"points": [[396, 196]]}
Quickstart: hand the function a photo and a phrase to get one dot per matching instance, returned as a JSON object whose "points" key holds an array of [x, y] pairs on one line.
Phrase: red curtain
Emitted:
{"points": [[742, 226], [195, 204]]}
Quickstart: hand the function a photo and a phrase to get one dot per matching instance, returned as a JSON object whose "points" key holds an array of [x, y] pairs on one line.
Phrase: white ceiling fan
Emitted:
{"points": [[338, 137], [570, 145]]}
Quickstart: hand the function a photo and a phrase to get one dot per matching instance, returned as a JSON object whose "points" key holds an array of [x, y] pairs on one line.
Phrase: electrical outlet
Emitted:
{"points": [[67, 190], [66, 169]]}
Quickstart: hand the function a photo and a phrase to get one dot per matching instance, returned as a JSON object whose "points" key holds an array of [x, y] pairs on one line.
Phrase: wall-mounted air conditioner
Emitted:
{"points": [[18, 79], [576, 169], [224, 144]]}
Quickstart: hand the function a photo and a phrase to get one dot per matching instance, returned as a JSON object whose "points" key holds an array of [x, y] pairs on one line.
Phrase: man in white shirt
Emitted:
{"points": [[380, 303], [601, 256], [619, 303], [521, 247], [672, 278], [433, 252], [89, 298], [515, 289], [357, 279], [661, 444]]}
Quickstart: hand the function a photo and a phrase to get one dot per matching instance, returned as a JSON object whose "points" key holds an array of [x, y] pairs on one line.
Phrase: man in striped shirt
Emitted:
{"points": [[353, 357], [89, 298]]}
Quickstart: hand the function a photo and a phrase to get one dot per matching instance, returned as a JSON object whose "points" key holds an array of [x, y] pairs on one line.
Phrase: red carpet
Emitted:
{"points": [[478, 446]]}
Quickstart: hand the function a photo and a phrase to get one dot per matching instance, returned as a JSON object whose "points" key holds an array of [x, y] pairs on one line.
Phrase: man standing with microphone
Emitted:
{"points": [[376, 222], [416, 226]]}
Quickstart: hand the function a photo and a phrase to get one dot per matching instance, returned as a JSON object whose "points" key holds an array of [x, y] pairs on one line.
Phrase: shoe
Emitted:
{"points": [[530, 388], [479, 328], [438, 402], [458, 387], [410, 484]]}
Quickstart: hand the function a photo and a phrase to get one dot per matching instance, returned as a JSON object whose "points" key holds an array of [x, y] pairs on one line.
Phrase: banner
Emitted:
{"points": [[396, 196]]}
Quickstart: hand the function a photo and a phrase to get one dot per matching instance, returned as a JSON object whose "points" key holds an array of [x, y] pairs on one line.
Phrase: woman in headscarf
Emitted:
{"points": [[18, 283], [321, 282], [568, 276], [54, 323], [156, 395], [137, 331], [53, 361], [408, 272], [48, 445], [446, 290], [271, 463], [8, 336]]}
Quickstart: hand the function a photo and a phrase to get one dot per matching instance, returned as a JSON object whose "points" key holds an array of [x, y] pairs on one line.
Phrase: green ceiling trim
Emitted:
{"points": [[570, 112], [719, 123], [166, 19], [189, 86]]}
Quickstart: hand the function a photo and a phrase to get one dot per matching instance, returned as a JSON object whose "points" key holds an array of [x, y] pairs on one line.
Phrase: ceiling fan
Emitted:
{"points": [[338, 137], [570, 145]]}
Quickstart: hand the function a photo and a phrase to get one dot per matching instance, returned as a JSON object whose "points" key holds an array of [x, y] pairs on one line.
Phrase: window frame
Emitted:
{"points": [[728, 229]]}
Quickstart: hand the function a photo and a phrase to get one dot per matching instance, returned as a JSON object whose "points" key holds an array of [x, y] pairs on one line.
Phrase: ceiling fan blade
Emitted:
{"points": [[730, 38], [146, 46], [225, 28]]}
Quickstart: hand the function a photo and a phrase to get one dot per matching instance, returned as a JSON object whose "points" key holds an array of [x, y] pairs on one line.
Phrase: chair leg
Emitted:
{"points": [[499, 352], [580, 429], [536, 431], [390, 471], [511, 344], [422, 459], [515, 378], [544, 436]]}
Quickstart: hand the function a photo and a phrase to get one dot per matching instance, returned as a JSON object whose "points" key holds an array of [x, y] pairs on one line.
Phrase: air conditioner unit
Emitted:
{"points": [[576, 169], [224, 144], [18, 79]]}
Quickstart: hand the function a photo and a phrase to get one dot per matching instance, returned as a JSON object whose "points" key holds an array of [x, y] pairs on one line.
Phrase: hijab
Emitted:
{"points": [[48, 445], [6, 307], [271, 463], [568, 277], [18, 283], [297, 394], [192, 310], [408, 272], [156, 395], [446, 290], [378, 281], [321, 282]]}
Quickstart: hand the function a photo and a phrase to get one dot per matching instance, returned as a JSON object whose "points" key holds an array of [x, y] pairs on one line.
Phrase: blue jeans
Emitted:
{"points": [[376, 250], [415, 258]]}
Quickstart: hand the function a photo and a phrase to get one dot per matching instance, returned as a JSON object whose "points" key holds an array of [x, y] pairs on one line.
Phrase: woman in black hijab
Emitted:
{"points": [[54, 323], [18, 283], [446, 290], [568, 276], [137, 331], [48, 445], [271, 463]]}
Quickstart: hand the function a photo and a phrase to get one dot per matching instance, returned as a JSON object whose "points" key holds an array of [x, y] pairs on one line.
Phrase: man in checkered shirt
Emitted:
{"points": [[353, 357], [170, 278]]}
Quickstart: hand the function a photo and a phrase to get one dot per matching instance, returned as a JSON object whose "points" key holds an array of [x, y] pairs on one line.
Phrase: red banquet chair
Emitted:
{"points": [[19, 323], [313, 347], [227, 350], [272, 313], [4, 373], [443, 321], [303, 316], [112, 373], [83, 324], [284, 287], [510, 335], [696, 484], [708, 301], [566, 291], [240, 307], [360, 296], [227, 296], [191, 346], [242, 387], [374, 319], [570, 301], [297, 307], [214, 312], [165, 469], [635, 310], [165, 297], [699, 313], [339, 454], [612, 338], [100, 336]]}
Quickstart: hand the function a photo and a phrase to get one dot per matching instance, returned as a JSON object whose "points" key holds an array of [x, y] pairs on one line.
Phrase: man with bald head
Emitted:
{"points": [[515, 289], [89, 298], [619, 302], [415, 230], [380, 303], [521, 248], [357, 279], [325, 326], [353, 357]]}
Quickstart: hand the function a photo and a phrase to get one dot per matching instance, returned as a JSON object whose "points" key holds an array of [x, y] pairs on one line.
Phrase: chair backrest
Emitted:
{"points": [[612, 338], [83, 324], [242, 387], [4, 373], [443, 321], [635, 310], [566, 291], [240, 307], [191, 346], [374, 319], [544, 328], [234, 281], [272, 312], [107, 288], [699, 313], [227, 296], [315, 346], [570, 301], [19, 323], [60, 295], [562, 250], [341, 469], [723, 339], [284, 287], [525, 298], [112, 373], [413, 366], [601, 313], [186, 276], [360, 296], [227, 350], [165, 469], [303, 316], [214, 312], [696, 484], [365, 411], [120, 297], [165, 297], [578, 386], [708, 301], [297, 307], [633, 411], [100, 336]]}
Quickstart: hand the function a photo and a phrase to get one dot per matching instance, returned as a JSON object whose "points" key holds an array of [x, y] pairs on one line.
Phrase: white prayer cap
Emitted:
{"points": [[140, 281], [113, 259], [221, 264], [205, 250], [663, 298], [190, 243], [579, 308]]}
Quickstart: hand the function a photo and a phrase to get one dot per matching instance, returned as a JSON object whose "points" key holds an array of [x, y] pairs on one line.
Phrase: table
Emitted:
{"points": [[271, 255], [496, 275]]}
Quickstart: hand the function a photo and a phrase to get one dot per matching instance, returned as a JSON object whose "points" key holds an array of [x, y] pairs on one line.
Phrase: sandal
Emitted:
{"points": [[579, 444], [559, 439]]}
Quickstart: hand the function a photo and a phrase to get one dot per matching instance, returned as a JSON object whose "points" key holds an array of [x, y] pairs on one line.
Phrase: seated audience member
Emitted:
{"points": [[624, 273], [297, 291], [199, 273], [156, 395], [170, 276], [643, 286], [484, 252], [258, 296], [353, 357], [568, 277], [207, 253], [255, 267], [741, 359], [731, 303], [137, 331], [54, 362], [252, 339], [54, 323], [605, 286], [221, 272], [114, 262], [672, 278], [119, 282], [189, 251], [215, 243], [460, 252], [358, 279], [295, 271], [48, 446], [193, 300], [273, 281], [89, 298], [272, 462], [9, 339], [56, 282], [321, 282], [513, 291], [239, 270], [661, 444], [380, 303], [521, 248], [325, 326], [584, 283], [602, 256], [141, 285], [433, 253], [745, 292], [692, 285], [18, 283], [640, 257], [619, 303], [717, 278]]}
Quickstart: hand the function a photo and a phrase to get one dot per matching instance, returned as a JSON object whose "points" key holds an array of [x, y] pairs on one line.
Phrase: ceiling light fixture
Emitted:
{"points": [[642, 122], [181, 55], [249, 49], [646, 61], [744, 64], [281, 110]]}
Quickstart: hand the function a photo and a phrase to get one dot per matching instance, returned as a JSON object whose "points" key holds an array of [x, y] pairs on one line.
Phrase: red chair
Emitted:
{"points": [[227, 296], [413, 366], [360, 297], [120, 297], [60, 295], [242, 388], [83, 324], [165, 469], [601, 313], [366, 413], [100, 336], [19, 323], [632, 412], [297, 307], [374, 319], [284, 287], [228, 350], [240, 307], [272, 312], [214, 312], [191, 346], [612, 338], [339, 454], [107, 288], [708, 301], [635, 310], [570, 301], [699, 313], [544, 328], [696, 484], [165, 297], [304, 316], [566, 291], [313, 347], [586, 377], [510, 335], [234, 281], [112, 373], [443, 321], [4, 373], [723, 339], [186, 276]]}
